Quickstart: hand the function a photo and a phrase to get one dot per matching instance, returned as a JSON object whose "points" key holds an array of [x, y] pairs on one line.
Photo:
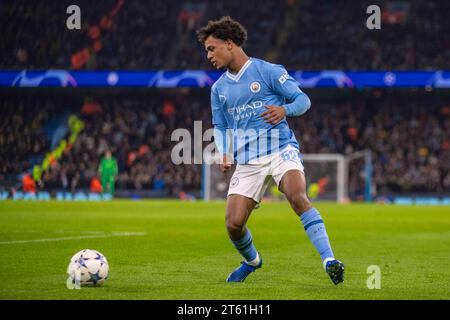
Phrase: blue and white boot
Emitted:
{"points": [[241, 273], [335, 269]]}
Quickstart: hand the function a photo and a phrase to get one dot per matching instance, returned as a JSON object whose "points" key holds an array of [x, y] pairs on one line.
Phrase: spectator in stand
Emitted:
{"points": [[96, 185], [304, 35], [409, 136], [28, 184]]}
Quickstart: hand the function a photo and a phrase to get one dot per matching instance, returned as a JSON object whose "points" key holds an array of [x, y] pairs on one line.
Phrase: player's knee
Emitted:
{"points": [[299, 202], [234, 228]]}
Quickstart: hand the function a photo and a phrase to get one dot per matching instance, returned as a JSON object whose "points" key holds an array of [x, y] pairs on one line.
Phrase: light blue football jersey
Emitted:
{"points": [[237, 102]]}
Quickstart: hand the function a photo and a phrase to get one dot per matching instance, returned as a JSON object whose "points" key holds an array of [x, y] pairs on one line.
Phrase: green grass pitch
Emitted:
{"points": [[185, 252]]}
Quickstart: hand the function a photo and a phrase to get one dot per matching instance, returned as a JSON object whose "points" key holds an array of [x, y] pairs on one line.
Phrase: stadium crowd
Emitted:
{"points": [[21, 134], [137, 132], [409, 137], [160, 34]]}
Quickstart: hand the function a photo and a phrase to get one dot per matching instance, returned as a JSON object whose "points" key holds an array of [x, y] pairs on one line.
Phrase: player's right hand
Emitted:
{"points": [[225, 165]]}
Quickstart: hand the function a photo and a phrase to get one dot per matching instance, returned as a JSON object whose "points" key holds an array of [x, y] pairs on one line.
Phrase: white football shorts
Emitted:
{"points": [[251, 180]]}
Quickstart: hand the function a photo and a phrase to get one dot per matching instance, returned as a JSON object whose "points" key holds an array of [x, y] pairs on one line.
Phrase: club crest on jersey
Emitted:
{"points": [[255, 87]]}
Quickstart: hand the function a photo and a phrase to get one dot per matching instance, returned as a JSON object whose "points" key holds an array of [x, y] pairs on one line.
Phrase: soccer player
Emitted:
{"points": [[108, 171], [250, 98]]}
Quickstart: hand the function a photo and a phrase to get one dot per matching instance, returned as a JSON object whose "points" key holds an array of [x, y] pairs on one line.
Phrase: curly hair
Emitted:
{"points": [[225, 29]]}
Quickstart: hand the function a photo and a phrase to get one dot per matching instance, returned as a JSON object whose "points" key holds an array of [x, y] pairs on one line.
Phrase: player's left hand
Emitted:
{"points": [[273, 114]]}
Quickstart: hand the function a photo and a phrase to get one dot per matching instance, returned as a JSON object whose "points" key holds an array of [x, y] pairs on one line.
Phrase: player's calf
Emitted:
{"points": [[299, 202]]}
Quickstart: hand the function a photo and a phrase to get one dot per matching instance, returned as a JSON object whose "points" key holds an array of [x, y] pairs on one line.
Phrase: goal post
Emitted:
{"points": [[360, 162]]}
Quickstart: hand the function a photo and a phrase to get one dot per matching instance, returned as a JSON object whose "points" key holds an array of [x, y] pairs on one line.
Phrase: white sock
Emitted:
{"points": [[326, 260], [255, 261]]}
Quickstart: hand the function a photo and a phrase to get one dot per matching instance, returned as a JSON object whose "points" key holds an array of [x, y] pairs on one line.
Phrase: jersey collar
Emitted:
{"points": [[237, 76]]}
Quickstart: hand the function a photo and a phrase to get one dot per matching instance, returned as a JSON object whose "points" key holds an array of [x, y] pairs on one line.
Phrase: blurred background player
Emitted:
{"points": [[251, 95], [108, 171], [96, 185], [28, 183]]}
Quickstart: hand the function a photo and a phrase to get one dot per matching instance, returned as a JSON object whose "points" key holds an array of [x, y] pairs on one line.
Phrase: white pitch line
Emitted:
{"points": [[112, 234]]}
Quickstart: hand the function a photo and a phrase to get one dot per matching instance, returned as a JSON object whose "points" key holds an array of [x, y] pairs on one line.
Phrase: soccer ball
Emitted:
{"points": [[88, 268]]}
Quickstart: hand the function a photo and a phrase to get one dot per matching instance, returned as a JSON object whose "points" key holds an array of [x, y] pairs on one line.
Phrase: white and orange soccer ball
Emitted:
{"points": [[88, 268]]}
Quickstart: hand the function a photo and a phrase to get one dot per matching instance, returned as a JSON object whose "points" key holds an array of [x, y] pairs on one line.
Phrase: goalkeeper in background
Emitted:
{"points": [[108, 171]]}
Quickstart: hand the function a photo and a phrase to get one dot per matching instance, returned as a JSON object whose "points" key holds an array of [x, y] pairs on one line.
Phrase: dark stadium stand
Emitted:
{"points": [[160, 34], [411, 144], [408, 134]]}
